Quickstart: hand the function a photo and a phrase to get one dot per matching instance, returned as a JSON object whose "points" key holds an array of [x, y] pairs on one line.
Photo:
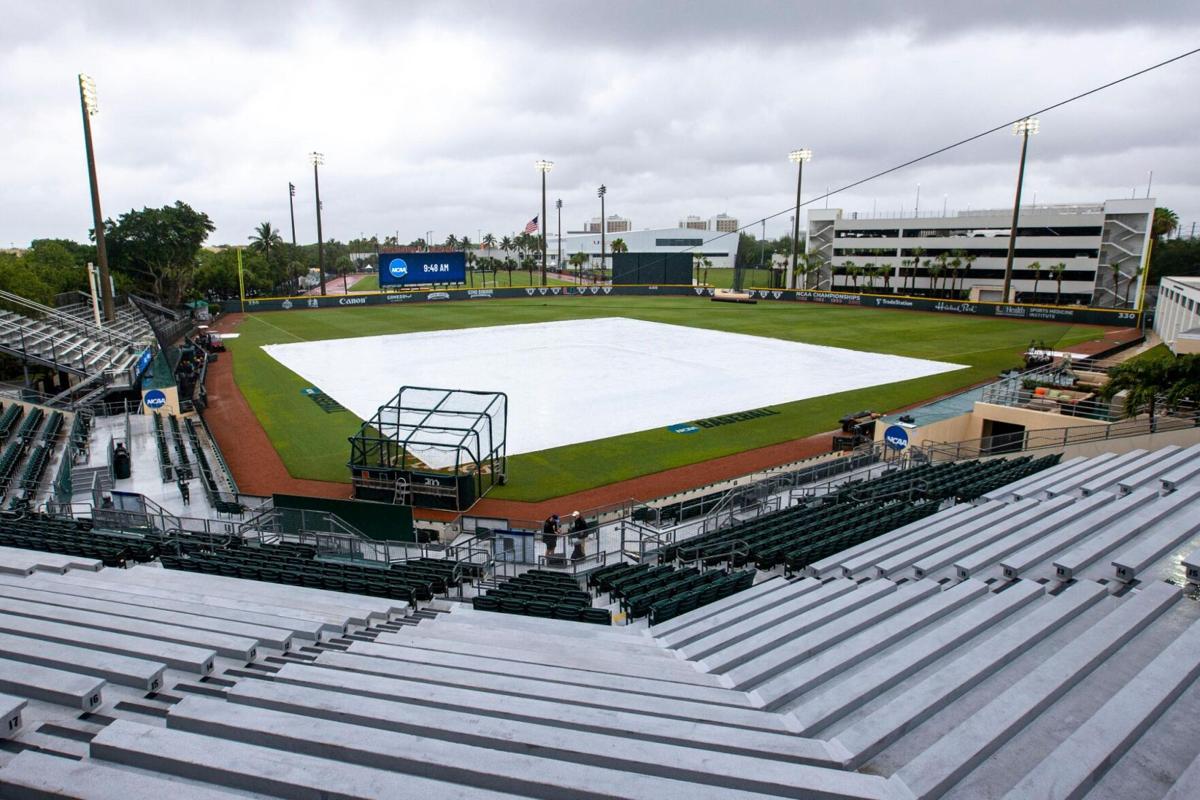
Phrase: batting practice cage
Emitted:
{"points": [[435, 448]]}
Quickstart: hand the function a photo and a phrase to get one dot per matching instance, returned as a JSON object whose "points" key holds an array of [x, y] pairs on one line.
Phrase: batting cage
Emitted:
{"points": [[435, 448]]}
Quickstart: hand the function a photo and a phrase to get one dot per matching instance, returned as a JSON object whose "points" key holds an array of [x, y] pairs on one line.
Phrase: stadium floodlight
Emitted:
{"points": [[317, 160], [87, 89], [797, 157], [90, 107], [543, 167], [1023, 128], [558, 205]]}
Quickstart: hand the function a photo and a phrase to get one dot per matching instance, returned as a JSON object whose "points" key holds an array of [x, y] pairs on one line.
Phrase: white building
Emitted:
{"points": [[1101, 247], [720, 249], [1177, 317]]}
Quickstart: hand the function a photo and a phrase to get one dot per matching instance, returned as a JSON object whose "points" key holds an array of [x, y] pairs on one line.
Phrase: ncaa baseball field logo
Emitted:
{"points": [[155, 399], [398, 269], [896, 437]]}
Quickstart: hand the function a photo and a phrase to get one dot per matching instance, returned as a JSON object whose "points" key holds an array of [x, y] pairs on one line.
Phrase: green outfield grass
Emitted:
{"points": [[313, 444], [475, 280]]}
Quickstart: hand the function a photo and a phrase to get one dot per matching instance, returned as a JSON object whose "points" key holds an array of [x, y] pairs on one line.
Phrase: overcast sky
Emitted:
{"points": [[430, 115]]}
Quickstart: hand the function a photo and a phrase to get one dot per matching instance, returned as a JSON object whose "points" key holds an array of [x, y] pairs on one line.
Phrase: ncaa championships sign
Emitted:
{"points": [[415, 269], [896, 437]]}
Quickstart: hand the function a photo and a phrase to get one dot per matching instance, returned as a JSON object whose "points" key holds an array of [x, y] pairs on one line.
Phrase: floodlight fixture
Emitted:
{"points": [[87, 89], [800, 156], [544, 165], [1027, 126], [316, 158]]}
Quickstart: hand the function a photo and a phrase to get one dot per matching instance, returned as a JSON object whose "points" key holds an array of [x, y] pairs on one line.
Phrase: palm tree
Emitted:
{"points": [[853, 271], [452, 241], [577, 260], [464, 243], [264, 238], [1057, 271], [489, 241], [956, 261], [618, 246], [1131, 279], [968, 260], [885, 272], [1143, 380], [850, 270], [936, 269], [812, 266], [917, 252], [1037, 276], [868, 271], [1115, 266], [905, 265], [1165, 221]]}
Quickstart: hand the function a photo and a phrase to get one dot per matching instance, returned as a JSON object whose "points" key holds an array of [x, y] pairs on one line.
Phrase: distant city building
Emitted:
{"points": [[1102, 247], [616, 224], [723, 223], [694, 223]]}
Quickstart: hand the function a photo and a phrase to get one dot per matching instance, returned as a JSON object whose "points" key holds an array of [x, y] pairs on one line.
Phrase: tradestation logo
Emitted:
{"points": [[398, 268]]}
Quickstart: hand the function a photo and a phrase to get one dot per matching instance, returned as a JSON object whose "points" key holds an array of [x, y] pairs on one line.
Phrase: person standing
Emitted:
{"points": [[185, 492], [579, 532], [550, 531]]}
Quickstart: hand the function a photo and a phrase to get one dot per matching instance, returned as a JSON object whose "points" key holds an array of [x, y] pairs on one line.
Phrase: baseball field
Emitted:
{"points": [[312, 442]]}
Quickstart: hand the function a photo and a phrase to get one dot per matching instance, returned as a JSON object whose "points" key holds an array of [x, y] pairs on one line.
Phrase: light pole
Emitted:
{"points": [[558, 207], [87, 103], [1022, 128], [292, 209], [797, 157], [317, 160], [603, 190], [543, 166]]}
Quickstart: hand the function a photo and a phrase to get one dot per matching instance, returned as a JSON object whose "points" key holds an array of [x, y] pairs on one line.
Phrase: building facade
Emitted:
{"points": [[724, 223], [720, 249], [1085, 254], [692, 222], [1177, 317], [615, 224]]}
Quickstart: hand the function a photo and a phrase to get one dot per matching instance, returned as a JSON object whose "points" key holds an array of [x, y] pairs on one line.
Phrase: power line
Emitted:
{"points": [[947, 148]]}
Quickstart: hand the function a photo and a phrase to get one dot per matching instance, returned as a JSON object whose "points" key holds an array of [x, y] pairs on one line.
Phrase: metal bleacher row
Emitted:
{"points": [[1028, 644]]}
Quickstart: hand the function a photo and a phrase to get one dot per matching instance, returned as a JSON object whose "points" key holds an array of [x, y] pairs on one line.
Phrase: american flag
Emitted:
{"points": [[532, 226]]}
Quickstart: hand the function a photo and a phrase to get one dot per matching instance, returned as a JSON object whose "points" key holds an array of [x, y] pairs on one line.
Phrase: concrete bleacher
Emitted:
{"points": [[1028, 644]]}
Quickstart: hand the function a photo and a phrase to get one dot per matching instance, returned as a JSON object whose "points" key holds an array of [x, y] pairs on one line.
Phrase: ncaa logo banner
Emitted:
{"points": [[416, 269]]}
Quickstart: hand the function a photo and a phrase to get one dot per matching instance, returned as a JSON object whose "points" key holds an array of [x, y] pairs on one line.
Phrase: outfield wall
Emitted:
{"points": [[1071, 314]]}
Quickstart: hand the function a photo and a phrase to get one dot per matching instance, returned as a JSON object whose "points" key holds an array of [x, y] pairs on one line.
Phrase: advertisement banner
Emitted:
{"points": [[394, 294], [416, 269]]}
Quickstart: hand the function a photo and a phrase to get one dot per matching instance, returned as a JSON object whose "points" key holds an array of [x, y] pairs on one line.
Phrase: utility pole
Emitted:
{"points": [[603, 190], [89, 106], [317, 160], [292, 209], [543, 166], [558, 206], [797, 157]]}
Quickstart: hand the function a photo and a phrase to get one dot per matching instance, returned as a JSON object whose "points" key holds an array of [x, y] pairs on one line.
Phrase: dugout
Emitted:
{"points": [[434, 448], [652, 268]]}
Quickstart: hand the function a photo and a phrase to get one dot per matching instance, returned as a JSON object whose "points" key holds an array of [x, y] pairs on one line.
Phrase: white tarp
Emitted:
{"points": [[579, 380]]}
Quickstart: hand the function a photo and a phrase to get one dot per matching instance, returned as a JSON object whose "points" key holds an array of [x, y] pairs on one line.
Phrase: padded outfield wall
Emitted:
{"points": [[1068, 314]]}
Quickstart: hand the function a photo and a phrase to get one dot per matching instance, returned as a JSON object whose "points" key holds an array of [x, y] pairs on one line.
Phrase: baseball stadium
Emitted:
{"points": [[626, 524]]}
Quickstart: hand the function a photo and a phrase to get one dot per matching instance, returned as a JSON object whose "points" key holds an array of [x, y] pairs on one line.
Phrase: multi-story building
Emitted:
{"points": [[1087, 254], [1177, 317], [720, 249], [615, 224], [694, 223], [724, 223]]}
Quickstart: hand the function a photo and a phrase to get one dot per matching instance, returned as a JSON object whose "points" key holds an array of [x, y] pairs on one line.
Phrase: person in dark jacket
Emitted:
{"points": [[579, 532], [550, 532]]}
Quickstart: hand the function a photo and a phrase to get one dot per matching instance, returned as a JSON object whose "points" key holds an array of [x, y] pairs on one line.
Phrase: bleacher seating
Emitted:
{"points": [[913, 664], [298, 565], [543, 593], [164, 453], [9, 419], [73, 537]]}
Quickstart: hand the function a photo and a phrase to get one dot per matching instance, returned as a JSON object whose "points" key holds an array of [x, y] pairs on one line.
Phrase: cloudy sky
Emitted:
{"points": [[430, 115]]}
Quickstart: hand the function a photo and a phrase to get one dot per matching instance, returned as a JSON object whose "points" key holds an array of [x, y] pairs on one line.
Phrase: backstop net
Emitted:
{"points": [[440, 448]]}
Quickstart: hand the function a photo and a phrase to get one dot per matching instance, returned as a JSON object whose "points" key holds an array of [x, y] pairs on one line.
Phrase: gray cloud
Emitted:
{"points": [[431, 114]]}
